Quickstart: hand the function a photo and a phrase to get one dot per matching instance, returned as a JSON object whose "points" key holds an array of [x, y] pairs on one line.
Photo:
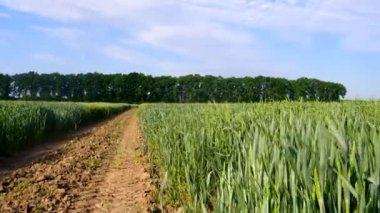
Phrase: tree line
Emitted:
{"points": [[138, 88]]}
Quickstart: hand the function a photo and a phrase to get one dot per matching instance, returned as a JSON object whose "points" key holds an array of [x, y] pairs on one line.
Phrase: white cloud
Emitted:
{"points": [[341, 17], [124, 54], [4, 15], [344, 18], [47, 58], [195, 40], [198, 55], [209, 35], [71, 37], [51, 9], [64, 33], [216, 37]]}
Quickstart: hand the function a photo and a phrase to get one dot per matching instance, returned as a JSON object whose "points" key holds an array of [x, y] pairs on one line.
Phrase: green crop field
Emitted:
{"points": [[24, 123], [266, 157]]}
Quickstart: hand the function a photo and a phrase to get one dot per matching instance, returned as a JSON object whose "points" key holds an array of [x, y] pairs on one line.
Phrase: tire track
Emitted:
{"points": [[124, 184]]}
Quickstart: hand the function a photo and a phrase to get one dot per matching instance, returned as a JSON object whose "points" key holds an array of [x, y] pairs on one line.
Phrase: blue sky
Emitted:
{"points": [[331, 40]]}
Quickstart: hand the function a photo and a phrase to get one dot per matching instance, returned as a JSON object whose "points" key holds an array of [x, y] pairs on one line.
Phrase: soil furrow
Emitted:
{"points": [[126, 185], [99, 171]]}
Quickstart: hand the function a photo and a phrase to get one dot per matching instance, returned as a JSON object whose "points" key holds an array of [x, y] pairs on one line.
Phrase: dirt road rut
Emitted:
{"points": [[124, 185], [102, 170]]}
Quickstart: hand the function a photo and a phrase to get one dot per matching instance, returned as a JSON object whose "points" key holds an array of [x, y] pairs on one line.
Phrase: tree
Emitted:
{"points": [[5, 86], [138, 88]]}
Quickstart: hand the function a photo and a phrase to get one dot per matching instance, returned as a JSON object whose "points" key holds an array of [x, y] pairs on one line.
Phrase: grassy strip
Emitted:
{"points": [[23, 124], [274, 157]]}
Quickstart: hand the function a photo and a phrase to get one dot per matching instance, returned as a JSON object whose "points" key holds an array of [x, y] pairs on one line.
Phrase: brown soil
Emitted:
{"points": [[102, 170], [28, 157]]}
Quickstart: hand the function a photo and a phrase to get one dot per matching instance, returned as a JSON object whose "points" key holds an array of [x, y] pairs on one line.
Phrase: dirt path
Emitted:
{"points": [[124, 185], [28, 157], [100, 171]]}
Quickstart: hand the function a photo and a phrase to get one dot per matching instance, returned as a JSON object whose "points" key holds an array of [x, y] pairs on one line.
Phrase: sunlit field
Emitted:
{"points": [[24, 123], [266, 157]]}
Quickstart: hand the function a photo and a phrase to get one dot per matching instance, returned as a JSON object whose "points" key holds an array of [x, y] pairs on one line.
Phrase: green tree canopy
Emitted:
{"points": [[137, 88]]}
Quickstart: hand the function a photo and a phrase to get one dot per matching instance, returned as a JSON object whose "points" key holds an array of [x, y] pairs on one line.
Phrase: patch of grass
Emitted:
{"points": [[25, 123], [271, 157]]}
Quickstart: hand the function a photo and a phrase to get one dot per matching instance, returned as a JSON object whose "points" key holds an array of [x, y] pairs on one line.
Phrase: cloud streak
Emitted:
{"points": [[47, 58], [342, 17], [4, 15], [60, 32], [219, 37]]}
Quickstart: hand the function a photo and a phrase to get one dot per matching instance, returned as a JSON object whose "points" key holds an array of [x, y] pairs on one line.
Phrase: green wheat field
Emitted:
{"points": [[267, 157]]}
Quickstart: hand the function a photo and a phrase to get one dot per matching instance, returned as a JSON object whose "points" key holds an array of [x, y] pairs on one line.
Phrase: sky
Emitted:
{"points": [[332, 40]]}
